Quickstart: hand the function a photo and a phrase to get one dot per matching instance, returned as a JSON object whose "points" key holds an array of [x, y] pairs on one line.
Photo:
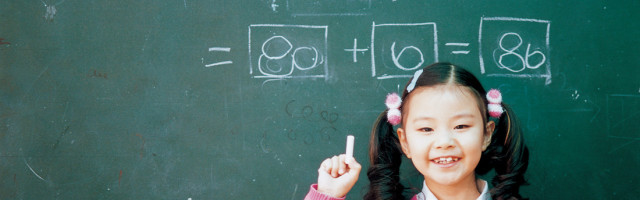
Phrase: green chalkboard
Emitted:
{"points": [[237, 99]]}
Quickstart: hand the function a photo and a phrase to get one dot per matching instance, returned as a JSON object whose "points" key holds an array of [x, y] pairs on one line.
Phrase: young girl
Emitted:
{"points": [[448, 129]]}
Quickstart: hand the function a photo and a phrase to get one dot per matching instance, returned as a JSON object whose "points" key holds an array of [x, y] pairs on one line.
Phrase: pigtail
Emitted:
{"points": [[509, 156], [385, 157]]}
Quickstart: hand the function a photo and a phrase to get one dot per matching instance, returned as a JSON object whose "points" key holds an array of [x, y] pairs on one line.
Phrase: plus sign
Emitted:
{"points": [[355, 49], [274, 5]]}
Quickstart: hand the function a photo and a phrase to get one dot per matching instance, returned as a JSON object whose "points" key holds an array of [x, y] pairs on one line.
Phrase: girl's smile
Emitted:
{"points": [[445, 161]]}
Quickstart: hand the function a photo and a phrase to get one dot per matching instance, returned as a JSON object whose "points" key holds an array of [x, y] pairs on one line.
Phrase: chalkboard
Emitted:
{"points": [[237, 99]]}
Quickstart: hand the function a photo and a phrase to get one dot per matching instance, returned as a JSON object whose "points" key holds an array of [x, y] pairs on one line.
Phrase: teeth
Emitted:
{"points": [[447, 160]]}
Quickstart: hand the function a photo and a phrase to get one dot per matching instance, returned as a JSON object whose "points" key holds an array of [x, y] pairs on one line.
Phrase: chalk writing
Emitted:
{"points": [[395, 57], [524, 60], [505, 58], [277, 57], [458, 45], [222, 49], [516, 48], [418, 44], [355, 50]]}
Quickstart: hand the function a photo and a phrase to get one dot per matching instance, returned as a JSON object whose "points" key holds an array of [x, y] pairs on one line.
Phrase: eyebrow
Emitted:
{"points": [[463, 115], [458, 116], [425, 118]]}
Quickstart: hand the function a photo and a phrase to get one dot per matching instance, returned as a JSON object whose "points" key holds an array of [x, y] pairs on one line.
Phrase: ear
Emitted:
{"points": [[402, 136], [491, 125]]}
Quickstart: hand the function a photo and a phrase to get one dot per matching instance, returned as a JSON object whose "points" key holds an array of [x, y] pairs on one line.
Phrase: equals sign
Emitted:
{"points": [[223, 49], [458, 45]]}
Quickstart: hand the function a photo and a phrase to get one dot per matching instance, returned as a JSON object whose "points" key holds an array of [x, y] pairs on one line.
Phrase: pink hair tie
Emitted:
{"points": [[495, 103], [393, 103]]}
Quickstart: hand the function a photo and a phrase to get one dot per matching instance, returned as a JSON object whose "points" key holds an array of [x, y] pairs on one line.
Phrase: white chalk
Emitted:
{"points": [[349, 152]]}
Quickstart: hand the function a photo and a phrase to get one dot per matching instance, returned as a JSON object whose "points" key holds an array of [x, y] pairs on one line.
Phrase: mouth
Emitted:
{"points": [[446, 161]]}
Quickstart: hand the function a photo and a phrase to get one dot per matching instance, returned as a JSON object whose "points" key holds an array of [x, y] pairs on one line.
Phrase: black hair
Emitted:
{"points": [[506, 153]]}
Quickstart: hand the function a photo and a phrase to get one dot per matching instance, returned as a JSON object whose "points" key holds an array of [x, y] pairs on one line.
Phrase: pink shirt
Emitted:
{"points": [[315, 195], [424, 195]]}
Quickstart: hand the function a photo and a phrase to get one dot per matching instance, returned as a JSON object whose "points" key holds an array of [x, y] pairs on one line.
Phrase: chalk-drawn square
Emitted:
{"points": [[397, 50], [288, 51], [514, 47]]}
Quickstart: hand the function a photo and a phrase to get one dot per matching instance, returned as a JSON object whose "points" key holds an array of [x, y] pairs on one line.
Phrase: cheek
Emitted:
{"points": [[474, 137], [471, 140], [418, 146], [472, 146]]}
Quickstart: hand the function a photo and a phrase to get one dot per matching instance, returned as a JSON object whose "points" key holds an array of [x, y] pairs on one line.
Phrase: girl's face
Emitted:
{"points": [[443, 133]]}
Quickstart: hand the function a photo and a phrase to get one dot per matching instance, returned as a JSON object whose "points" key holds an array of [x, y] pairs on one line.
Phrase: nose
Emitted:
{"points": [[444, 140]]}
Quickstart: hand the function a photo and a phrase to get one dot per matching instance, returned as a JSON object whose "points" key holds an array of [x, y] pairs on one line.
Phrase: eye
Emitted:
{"points": [[426, 129], [462, 126]]}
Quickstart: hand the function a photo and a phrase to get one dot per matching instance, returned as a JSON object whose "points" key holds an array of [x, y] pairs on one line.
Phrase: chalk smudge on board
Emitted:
{"points": [[262, 145], [51, 10], [142, 147], [59, 137], [295, 190], [622, 146], [34, 172]]}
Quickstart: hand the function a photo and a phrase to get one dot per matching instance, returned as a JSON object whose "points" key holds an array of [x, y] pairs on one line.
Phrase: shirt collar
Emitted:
{"points": [[427, 195]]}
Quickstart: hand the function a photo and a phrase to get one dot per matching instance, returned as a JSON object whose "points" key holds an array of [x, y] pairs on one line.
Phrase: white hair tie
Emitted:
{"points": [[412, 85]]}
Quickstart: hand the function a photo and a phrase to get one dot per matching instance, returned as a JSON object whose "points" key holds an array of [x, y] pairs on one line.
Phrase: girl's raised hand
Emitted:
{"points": [[337, 175]]}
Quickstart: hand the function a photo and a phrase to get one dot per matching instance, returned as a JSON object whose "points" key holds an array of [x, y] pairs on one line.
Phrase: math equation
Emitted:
{"points": [[396, 50]]}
